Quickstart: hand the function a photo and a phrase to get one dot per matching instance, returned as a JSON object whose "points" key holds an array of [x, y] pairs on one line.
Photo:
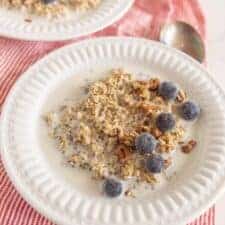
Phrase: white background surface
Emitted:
{"points": [[215, 17]]}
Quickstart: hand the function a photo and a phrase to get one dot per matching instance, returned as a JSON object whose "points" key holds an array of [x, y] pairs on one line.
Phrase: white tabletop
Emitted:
{"points": [[215, 17]]}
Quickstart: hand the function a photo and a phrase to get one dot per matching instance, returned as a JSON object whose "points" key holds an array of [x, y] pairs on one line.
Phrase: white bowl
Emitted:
{"points": [[13, 22], [67, 196]]}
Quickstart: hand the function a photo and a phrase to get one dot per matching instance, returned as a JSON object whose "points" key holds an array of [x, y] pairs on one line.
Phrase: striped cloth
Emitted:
{"points": [[143, 20]]}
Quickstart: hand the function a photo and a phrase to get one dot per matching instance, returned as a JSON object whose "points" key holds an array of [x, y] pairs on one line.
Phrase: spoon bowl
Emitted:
{"points": [[184, 37]]}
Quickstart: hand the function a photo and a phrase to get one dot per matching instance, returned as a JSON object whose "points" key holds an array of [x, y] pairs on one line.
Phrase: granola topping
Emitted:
{"points": [[102, 129], [51, 8]]}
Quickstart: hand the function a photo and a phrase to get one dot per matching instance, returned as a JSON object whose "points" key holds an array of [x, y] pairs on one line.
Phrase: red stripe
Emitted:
{"points": [[4, 63], [5, 195], [10, 57], [31, 218], [24, 219], [21, 213], [205, 217], [21, 64], [16, 211], [9, 73], [204, 220], [36, 219], [11, 203], [209, 217], [5, 209], [4, 182]]}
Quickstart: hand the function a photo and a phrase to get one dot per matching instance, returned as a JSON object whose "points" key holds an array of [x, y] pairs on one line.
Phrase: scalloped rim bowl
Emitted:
{"points": [[13, 24], [198, 184]]}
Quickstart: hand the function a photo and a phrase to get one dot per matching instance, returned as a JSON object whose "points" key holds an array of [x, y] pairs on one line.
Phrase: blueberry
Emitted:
{"points": [[165, 122], [168, 90], [189, 110], [155, 164], [145, 143], [112, 188], [48, 1]]}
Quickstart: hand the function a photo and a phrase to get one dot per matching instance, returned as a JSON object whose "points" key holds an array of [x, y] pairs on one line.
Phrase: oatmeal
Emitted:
{"points": [[53, 8], [122, 128]]}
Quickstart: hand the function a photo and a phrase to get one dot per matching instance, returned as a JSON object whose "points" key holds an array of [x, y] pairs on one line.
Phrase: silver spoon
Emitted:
{"points": [[184, 37]]}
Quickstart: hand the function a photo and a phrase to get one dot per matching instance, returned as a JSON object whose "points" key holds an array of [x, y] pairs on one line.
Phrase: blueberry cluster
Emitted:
{"points": [[188, 110], [146, 144]]}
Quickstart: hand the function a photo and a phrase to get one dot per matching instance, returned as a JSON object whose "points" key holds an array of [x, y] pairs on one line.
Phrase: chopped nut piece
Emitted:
{"points": [[140, 85], [84, 134], [167, 163], [128, 139], [147, 121], [187, 148], [181, 96], [156, 132], [142, 128], [149, 107], [144, 94], [129, 193], [28, 20], [149, 178], [154, 84], [141, 89], [159, 100], [122, 152], [128, 169]]}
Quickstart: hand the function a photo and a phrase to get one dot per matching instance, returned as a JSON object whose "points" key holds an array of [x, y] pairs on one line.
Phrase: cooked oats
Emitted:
{"points": [[102, 127], [52, 9]]}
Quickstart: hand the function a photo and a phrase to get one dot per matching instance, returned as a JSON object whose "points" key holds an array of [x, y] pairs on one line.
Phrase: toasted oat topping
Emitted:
{"points": [[102, 127], [53, 9]]}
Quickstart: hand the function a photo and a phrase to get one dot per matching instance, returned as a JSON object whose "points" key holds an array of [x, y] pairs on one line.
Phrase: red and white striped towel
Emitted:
{"points": [[143, 20]]}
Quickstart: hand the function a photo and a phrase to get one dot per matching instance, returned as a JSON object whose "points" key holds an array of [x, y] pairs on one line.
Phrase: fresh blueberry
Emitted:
{"points": [[112, 188], [145, 143], [155, 164], [165, 122], [48, 1], [168, 90], [189, 110]]}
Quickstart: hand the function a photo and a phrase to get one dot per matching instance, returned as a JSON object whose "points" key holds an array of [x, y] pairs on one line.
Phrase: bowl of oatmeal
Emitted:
{"points": [[52, 20], [127, 135]]}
